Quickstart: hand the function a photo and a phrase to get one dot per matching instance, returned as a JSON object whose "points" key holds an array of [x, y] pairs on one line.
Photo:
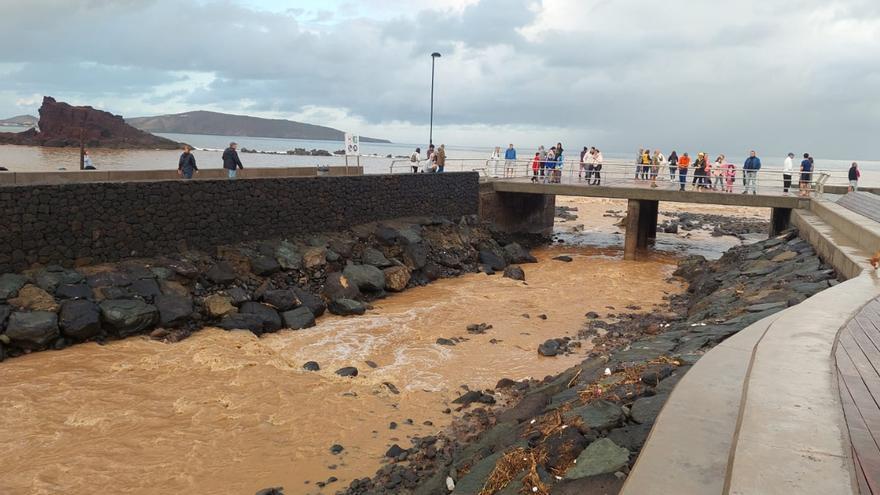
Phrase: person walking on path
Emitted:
{"points": [[597, 167], [683, 163], [787, 168], [231, 162], [509, 161], [806, 175], [536, 166], [854, 175], [186, 166], [750, 173], [441, 158], [673, 165], [414, 160], [718, 173]]}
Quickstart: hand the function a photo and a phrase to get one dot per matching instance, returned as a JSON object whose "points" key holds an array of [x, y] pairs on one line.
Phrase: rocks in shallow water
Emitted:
{"points": [[312, 366], [282, 300], [128, 316], [474, 396], [338, 286], [394, 451], [10, 284], [315, 304], [271, 319], [564, 259], [346, 307], [349, 371], [298, 318], [174, 310], [33, 330], [599, 415], [517, 254], [336, 449], [492, 260], [446, 342], [278, 490], [478, 328], [242, 321], [602, 457], [365, 277], [221, 273], [396, 278], [550, 348], [515, 273], [80, 319], [592, 315], [218, 306], [33, 298]]}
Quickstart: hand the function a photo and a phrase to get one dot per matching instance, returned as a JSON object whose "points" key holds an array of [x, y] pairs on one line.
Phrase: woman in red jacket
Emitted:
{"points": [[536, 166]]}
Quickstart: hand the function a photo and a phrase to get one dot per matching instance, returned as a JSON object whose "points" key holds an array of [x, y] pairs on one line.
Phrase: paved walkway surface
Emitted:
{"points": [[858, 362], [863, 203]]}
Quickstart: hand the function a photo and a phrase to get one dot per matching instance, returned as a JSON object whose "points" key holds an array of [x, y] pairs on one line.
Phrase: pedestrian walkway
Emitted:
{"points": [[864, 203], [858, 362]]}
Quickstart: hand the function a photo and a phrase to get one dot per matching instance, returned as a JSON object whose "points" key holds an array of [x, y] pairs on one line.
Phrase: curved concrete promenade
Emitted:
{"points": [[762, 413]]}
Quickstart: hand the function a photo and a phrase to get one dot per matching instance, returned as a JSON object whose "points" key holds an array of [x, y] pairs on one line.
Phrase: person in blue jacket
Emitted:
{"points": [[750, 168], [509, 161]]}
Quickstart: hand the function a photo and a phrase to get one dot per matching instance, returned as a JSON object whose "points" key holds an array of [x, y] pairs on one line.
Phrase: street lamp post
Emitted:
{"points": [[434, 57]]}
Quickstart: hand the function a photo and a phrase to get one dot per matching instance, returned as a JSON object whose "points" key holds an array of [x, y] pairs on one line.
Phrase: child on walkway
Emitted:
{"points": [[729, 177], [536, 166]]}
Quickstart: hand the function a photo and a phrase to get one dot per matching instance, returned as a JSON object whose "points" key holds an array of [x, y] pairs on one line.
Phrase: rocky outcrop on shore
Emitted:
{"points": [[262, 287], [582, 430], [63, 125]]}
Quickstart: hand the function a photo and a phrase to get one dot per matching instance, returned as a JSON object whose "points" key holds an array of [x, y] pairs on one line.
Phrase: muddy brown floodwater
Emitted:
{"points": [[230, 413]]}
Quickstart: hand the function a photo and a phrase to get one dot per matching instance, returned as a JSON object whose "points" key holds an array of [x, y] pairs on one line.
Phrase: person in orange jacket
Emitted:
{"points": [[683, 163]]}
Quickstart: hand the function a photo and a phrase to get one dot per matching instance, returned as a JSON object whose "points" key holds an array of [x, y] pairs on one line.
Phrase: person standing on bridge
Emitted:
{"points": [[729, 176], [750, 173], [853, 175], [597, 167], [494, 158], [639, 163], [543, 155], [806, 175], [441, 158], [585, 159], [414, 160], [673, 165], [186, 166], [683, 163], [231, 162], [536, 166], [560, 164], [646, 163], [509, 161], [657, 161], [718, 173], [787, 168], [549, 165]]}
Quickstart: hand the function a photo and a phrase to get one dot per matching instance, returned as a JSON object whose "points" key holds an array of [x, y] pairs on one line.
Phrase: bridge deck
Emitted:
{"points": [[864, 203], [642, 190]]}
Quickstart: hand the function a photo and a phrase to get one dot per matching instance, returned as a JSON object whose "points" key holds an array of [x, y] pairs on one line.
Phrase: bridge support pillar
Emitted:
{"points": [[518, 213], [780, 221], [641, 226]]}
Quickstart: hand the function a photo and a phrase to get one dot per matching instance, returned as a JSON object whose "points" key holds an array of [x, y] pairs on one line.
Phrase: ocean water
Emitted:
{"points": [[376, 157]]}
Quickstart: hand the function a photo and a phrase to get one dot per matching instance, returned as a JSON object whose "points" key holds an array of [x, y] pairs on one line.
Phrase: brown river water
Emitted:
{"points": [[230, 413]]}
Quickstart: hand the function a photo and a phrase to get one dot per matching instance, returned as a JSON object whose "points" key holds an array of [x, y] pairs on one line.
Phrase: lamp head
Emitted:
{"points": [[436, 55]]}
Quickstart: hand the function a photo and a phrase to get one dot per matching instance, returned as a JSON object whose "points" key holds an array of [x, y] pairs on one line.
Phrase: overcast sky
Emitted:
{"points": [[775, 75]]}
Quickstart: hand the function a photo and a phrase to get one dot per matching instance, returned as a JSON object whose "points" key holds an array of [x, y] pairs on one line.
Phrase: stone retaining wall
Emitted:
{"points": [[94, 222]]}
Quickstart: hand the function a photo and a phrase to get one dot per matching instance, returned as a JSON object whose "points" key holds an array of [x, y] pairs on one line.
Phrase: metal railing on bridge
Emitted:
{"points": [[619, 173]]}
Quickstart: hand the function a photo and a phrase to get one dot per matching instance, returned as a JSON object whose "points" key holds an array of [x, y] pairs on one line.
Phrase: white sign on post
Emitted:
{"points": [[352, 145]]}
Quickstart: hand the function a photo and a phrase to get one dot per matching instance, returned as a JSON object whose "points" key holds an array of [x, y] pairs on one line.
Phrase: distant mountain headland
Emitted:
{"points": [[222, 124], [63, 125], [20, 121]]}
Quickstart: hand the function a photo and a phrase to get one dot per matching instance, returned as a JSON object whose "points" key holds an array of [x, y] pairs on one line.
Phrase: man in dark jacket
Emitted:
{"points": [[750, 177], [231, 162], [186, 166]]}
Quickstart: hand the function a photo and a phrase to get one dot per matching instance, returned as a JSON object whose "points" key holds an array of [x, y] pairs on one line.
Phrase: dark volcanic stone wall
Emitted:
{"points": [[109, 221]]}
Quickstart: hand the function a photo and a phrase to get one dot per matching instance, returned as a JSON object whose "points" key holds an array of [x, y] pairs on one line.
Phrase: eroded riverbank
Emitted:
{"points": [[229, 412]]}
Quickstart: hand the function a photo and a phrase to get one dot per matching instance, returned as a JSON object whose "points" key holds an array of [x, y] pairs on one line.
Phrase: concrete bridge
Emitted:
{"points": [[519, 205]]}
